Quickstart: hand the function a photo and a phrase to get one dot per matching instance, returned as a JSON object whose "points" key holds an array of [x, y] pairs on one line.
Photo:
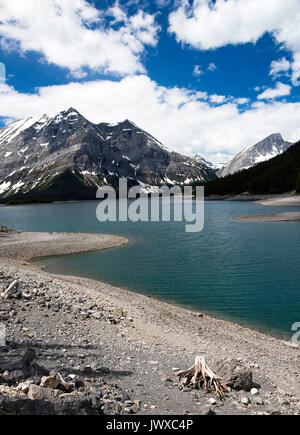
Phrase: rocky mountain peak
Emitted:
{"points": [[262, 151], [67, 157]]}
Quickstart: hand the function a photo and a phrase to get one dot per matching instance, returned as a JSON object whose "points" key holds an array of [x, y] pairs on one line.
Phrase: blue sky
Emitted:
{"points": [[205, 77]]}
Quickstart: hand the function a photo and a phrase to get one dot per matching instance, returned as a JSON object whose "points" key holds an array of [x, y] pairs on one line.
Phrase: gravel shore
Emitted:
{"points": [[271, 217], [129, 344], [284, 200], [23, 245]]}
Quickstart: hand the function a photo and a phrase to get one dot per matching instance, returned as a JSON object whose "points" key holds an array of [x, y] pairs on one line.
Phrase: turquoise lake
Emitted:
{"points": [[245, 272]]}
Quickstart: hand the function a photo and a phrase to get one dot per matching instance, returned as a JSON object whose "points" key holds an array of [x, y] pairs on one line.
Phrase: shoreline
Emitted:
{"points": [[21, 245], [164, 335], [45, 268], [70, 245], [271, 217], [284, 199]]}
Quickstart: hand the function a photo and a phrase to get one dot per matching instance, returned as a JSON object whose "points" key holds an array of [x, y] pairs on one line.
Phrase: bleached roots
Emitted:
{"points": [[201, 376]]}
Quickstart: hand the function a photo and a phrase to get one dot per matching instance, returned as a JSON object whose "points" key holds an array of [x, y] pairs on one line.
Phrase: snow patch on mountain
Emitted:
{"points": [[35, 153], [267, 149]]}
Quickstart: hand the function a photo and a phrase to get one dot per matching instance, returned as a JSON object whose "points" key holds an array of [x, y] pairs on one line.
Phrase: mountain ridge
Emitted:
{"points": [[280, 174], [264, 150], [41, 155]]}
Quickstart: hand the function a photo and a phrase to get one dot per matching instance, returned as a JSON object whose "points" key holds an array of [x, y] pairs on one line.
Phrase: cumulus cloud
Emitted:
{"points": [[280, 67], [74, 34], [241, 101], [182, 119], [280, 90], [205, 25], [217, 99]]}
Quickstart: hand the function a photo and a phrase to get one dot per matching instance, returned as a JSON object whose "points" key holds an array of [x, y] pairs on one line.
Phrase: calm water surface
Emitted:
{"points": [[246, 272]]}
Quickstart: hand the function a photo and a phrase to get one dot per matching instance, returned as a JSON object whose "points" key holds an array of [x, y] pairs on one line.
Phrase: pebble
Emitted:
{"points": [[83, 353], [212, 401], [166, 378], [258, 401], [245, 400]]}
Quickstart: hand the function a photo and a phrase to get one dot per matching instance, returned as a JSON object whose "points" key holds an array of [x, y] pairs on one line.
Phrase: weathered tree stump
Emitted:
{"points": [[201, 376]]}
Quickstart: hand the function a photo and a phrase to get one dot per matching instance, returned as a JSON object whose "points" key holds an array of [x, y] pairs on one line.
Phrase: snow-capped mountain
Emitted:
{"points": [[265, 150], [68, 157], [202, 160], [205, 162]]}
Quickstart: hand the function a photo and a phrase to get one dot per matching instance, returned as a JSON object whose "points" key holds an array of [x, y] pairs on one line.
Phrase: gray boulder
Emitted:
{"points": [[235, 374]]}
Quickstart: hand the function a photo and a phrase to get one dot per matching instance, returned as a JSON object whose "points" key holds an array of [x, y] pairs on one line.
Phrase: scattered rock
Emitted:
{"points": [[235, 375], [61, 406], [166, 378], [283, 401], [212, 401], [245, 400], [206, 410], [291, 344], [273, 411], [39, 393], [50, 382], [258, 401], [52, 322], [98, 315], [24, 386]]}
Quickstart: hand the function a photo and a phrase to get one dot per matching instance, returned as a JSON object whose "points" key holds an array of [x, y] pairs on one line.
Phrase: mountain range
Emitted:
{"points": [[264, 150], [67, 157], [278, 175]]}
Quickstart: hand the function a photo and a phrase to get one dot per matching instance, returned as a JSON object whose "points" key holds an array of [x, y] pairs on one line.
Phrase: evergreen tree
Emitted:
{"points": [[278, 175]]}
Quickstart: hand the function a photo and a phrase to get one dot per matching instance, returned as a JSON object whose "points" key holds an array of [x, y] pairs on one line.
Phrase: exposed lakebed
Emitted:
{"points": [[247, 272]]}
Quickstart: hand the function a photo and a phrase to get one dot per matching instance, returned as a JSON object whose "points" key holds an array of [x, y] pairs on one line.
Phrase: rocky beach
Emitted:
{"points": [[79, 346]]}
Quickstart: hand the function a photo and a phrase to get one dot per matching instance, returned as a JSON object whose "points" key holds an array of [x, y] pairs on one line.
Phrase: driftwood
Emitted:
{"points": [[14, 291], [201, 376]]}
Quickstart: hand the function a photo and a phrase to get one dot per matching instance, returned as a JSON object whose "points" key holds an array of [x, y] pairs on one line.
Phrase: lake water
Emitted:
{"points": [[246, 272]]}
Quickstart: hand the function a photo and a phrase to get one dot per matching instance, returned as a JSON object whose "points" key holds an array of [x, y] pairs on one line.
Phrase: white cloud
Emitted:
{"points": [[217, 99], [280, 67], [280, 90], [197, 71], [205, 25], [241, 101], [117, 12], [182, 119], [73, 34], [2, 73], [212, 67]]}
